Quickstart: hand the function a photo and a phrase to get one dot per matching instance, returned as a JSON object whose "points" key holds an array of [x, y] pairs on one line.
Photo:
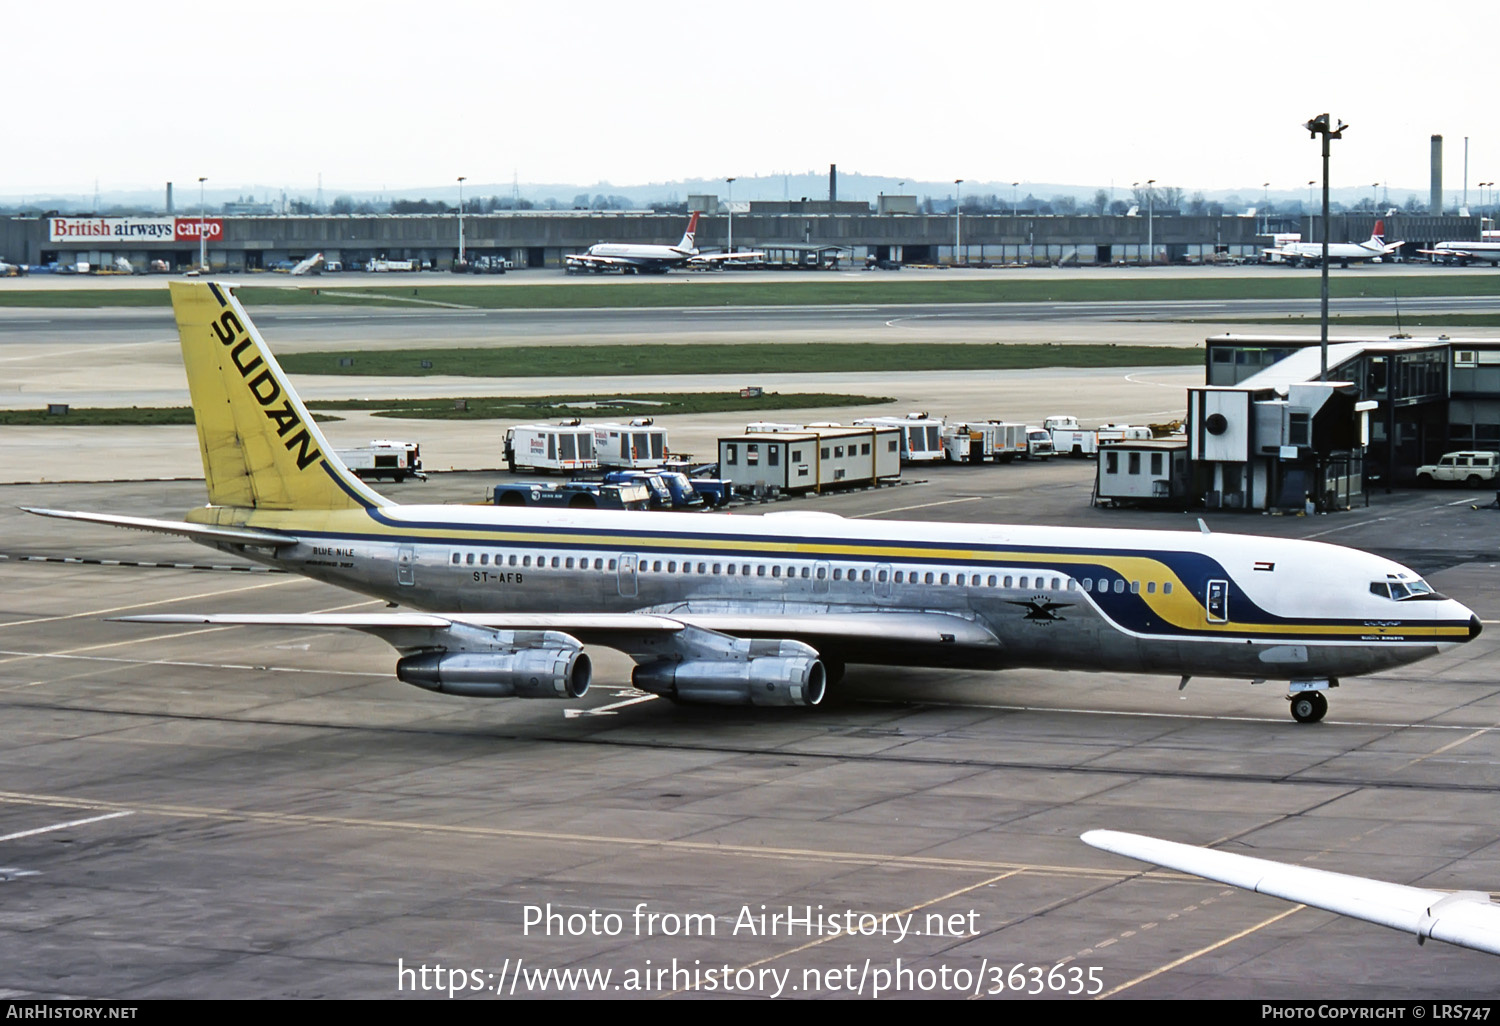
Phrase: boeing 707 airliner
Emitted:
{"points": [[757, 610]]}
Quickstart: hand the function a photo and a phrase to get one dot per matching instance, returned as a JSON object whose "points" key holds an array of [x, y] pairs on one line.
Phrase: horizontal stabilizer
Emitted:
{"points": [[206, 533]]}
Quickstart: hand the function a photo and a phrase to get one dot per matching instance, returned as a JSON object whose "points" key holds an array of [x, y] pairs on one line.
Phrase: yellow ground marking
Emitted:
{"points": [[147, 605], [1199, 953], [856, 858]]}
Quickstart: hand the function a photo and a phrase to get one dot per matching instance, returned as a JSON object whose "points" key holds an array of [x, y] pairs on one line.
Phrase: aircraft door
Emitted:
{"points": [[406, 572], [820, 577], [627, 575], [883, 581], [1217, 601]]}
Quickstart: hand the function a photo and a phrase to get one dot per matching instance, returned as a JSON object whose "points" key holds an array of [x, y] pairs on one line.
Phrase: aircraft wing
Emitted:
{"points": [[206, 533], [587, 260], [1467, 253], [737, 257], [1468, 919], [603, 628]]}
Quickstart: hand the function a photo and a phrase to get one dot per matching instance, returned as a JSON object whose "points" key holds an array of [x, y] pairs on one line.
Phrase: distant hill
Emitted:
{"points": [[808, 184]]}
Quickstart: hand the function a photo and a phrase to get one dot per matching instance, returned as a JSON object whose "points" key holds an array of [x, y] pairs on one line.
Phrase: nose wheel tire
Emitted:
{"points": [[1309, 706]]}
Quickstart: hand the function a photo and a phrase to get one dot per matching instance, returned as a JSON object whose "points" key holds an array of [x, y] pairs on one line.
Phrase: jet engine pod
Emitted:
{"points": [[524, 673], [765, 680]]}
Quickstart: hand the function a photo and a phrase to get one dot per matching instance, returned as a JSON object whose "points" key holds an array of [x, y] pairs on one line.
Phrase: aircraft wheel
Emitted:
{"points": [[1309, 707]]}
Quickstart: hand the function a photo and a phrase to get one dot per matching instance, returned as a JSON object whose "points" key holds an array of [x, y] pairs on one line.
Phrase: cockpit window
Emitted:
{"points": [[1406, 588]]}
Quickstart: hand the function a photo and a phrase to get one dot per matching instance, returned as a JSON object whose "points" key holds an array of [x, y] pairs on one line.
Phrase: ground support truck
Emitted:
{"points": [[384, 458], [565, 448], [573, 495]]}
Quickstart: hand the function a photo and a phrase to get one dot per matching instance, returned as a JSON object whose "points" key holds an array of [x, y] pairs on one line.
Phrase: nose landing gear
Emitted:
{"points": [[1309, 703]]}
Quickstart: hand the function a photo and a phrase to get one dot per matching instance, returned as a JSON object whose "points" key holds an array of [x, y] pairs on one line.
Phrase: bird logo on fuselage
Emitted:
{"points": [[1039, 609]]}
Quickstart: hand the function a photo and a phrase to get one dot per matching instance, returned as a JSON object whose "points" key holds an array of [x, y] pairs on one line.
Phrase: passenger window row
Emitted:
{"points": [[863, 575]]}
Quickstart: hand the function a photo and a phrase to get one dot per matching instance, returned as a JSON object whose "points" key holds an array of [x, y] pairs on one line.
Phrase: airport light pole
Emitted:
{"points": [[730, 205], [461, 220], [1375, 197], [202, 238], [1014, 202], [1310, 183], [1322, 125], [958, 218], [1151, 218]]}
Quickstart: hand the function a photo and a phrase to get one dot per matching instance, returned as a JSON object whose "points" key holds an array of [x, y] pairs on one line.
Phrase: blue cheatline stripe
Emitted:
{"points": [[363, 501]]}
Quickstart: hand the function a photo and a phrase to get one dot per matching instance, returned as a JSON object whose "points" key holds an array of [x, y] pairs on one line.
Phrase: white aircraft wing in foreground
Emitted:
{"points": [[1469, 919]]}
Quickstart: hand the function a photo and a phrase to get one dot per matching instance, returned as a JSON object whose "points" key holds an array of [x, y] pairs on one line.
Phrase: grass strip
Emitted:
{"points": [[762, 358], [690, 290]]}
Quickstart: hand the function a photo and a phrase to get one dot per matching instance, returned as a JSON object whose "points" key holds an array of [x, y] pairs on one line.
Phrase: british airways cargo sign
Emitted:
{"points": [[133, 229]]}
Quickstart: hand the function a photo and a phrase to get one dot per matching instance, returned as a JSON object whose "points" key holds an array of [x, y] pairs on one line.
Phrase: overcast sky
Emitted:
{"points": [[372, 95]]}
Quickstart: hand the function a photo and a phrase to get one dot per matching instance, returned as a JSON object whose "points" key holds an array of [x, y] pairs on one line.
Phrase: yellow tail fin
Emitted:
{"points": [[260, 446]]}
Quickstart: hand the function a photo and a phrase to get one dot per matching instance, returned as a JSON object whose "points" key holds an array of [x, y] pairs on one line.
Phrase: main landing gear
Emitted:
{"points": [[1309, 703]]}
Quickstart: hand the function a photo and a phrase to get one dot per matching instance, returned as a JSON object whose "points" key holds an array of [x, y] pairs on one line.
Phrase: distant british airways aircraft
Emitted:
{"points": [[635, 258], [1374, 249]]}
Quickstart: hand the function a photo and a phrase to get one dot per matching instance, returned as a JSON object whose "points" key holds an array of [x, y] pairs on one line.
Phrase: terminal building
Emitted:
{"points": [[1268, 431], [1432, 395], [889, 233]]}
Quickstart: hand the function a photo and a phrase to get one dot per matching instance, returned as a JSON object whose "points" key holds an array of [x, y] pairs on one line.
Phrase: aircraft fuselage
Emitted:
{"points": [[1064, 598]]}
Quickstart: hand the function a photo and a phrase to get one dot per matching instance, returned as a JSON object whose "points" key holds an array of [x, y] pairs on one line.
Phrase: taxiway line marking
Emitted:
{"points": [[147, 605], [608, 710], [64, 826], [112, 644], [923, 505], [1345, 527], [903, 912], [187, 664], [1199, 953], [74, 653], [1449, 746], [555, 837]]}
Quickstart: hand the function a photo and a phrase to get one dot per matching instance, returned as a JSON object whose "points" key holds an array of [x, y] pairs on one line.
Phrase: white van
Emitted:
{"points": [[1470, 468]]}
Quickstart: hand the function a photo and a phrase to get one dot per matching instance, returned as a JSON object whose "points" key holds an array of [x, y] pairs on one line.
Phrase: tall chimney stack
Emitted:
{"points": [[1435, 204], [833, 183], [169, 197]]}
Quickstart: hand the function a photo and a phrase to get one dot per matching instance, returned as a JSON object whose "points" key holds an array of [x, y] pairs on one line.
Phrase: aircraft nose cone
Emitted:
{"points": [[1474, 627]]}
